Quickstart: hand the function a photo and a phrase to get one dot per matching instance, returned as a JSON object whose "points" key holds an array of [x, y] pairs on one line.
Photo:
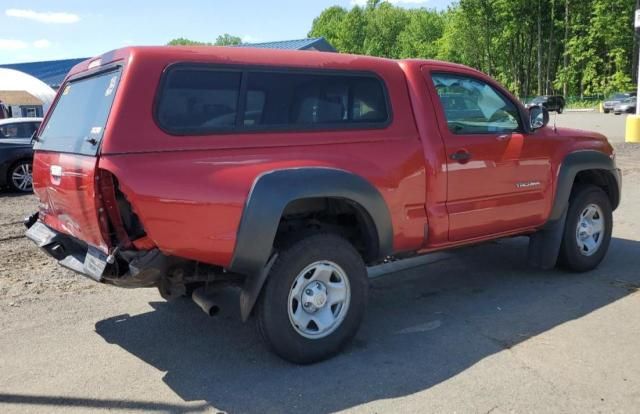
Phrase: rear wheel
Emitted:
{"points": [[587, 231], [19, 177], [314, 299], [560, 109]]}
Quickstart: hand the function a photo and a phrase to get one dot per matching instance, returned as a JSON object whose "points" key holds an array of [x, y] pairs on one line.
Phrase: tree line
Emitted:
{"points": [[572, 47], [222, 40], [534, 47]]}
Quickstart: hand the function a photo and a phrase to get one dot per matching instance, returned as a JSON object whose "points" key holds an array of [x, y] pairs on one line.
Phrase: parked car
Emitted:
{"points": [[626, 106], [286, 173], [550, 103], [610, 104], [16, 152]]}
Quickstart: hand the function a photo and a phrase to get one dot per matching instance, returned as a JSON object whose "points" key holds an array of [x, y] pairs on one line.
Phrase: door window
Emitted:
{"points": [[18, 130], [10, 131], [474, 107]]}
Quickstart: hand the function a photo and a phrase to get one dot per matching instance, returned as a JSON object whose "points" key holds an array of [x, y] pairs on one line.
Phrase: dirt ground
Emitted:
{"points": [[27, 274], [473, 331]]}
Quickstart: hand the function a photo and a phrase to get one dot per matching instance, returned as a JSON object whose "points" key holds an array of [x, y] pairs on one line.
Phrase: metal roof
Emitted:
{"points": [[315, 43], [53, 72]]}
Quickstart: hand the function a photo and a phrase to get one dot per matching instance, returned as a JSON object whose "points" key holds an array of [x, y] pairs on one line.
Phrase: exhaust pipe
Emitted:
{"points": [[205, 302]]}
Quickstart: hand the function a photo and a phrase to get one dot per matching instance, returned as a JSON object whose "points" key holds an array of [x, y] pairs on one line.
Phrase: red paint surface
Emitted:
{"points": [[189, 192], [69, 203]]}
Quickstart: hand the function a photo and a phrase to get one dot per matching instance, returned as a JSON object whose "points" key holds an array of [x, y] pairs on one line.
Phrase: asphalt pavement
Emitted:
{"points": [[612, 126], [473, 331]]}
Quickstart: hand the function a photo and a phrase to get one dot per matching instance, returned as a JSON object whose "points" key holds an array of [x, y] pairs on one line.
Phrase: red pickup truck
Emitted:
{"points": [[288, 173]]}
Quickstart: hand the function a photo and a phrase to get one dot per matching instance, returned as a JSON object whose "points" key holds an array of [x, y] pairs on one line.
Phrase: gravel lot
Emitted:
{"points": [[475, 330]]}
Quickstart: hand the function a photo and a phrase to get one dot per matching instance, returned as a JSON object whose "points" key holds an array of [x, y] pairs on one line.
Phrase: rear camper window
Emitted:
{"points": [[80, 114], [197, 100]]}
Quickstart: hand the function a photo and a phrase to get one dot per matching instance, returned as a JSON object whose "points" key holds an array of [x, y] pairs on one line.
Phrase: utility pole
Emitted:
{"points": [[565, 58], [637, 27], [539, 48], [632, 133]]}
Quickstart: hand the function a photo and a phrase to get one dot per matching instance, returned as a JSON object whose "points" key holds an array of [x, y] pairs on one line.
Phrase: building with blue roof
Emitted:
{"points": [[316, 43], [53, 72]]}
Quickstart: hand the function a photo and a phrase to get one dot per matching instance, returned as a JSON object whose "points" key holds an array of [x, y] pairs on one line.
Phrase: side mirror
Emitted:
{"points": [[538, 117]]}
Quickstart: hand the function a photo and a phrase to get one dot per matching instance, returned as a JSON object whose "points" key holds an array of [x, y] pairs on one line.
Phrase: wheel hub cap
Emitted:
{"points": [[319, 299], [590, 229], [314, 296]]}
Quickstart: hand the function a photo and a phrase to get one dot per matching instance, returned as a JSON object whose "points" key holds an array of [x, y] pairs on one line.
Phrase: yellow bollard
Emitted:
{"points": [[632, 133], [601, 108]]}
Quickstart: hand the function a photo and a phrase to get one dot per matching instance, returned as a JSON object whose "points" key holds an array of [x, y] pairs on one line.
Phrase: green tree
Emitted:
{"points": [[227, 40], [222, 40], [329, 24], [181, 41], [420, 37], [579, 47]]}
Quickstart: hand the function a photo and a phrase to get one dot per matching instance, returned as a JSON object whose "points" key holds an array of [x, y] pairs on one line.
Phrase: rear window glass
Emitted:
{"points": [[195, 100], [79, 117]]}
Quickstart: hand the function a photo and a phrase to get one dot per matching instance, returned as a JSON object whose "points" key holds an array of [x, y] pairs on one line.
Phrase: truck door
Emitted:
{"points": [[497, 176]]}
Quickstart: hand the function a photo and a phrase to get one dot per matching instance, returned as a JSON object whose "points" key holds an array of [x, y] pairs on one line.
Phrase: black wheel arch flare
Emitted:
{"points": [[274, 190], [544, 245], [576, 162]]}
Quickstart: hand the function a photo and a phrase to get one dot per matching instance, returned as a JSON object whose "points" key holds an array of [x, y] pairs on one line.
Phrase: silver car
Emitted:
{"points": [[610, 104], [627, 106]]}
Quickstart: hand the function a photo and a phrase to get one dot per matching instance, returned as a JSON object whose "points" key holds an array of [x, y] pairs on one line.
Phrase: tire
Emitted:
{"points": [[580, 252], [333, 261], [19, 178], [560, 109], [606, 111]]}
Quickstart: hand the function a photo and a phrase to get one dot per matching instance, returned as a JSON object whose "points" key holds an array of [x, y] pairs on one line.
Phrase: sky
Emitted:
{"points": [[62, 29]]}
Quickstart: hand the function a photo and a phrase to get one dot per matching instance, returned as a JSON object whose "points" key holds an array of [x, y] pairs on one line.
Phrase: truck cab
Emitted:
{"points": [[288, 173]]}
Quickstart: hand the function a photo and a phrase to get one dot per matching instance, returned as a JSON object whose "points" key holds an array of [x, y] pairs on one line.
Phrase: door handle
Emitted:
{"points": [[503, 137], [461, 156]]}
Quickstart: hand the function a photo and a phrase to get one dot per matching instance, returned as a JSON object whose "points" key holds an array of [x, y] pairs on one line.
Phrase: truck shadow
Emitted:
{"points": [[423, 326]]}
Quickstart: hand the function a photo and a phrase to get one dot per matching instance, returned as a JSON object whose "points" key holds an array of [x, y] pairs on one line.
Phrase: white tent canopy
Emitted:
{"points": [[13, 80]]}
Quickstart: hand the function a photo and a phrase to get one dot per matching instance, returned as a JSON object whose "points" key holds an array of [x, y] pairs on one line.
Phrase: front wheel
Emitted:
{"points": [[560, 109], [587, 231], [314, 299]]}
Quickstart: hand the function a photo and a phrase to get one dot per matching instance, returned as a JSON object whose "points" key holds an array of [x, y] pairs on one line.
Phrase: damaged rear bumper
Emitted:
{"points": [[125, 268]]}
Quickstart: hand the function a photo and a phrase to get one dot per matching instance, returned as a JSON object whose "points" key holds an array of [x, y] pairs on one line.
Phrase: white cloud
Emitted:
{"points": [[12, 44], [41, 43], [364, 2], [43, 17]]}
